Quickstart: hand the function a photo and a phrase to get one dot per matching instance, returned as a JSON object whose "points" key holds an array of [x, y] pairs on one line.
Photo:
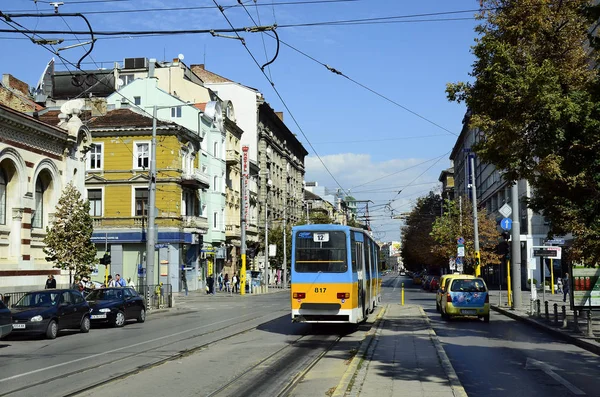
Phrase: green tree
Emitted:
{"points": [[536, 102], [448, 228], [276, 237], [69, 241], [416, 234]]}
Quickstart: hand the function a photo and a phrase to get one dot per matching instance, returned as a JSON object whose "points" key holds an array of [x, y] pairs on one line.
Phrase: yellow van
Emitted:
{"points": [[443, 281], [466, 297]]}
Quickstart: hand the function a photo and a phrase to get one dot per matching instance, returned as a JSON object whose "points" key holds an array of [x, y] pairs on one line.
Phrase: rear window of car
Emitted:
{"points": [[467, 285]]}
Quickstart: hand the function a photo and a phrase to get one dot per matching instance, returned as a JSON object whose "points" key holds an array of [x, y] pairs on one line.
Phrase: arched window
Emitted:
{"points": [[2, 197], [37, 220]]}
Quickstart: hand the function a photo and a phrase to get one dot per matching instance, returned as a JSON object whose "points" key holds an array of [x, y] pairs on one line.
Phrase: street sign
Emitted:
{"points": [[461, 251], [460, 241], [505, 210], [506, 223], [547, 252], [560, 241], [158, 246]]}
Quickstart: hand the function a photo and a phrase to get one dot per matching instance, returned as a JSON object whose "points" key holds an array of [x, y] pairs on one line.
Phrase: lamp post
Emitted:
{"points": [[266, 268]]}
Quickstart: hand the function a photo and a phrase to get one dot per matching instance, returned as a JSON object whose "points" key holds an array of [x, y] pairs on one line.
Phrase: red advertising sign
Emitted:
{"points": [[245, 176]]}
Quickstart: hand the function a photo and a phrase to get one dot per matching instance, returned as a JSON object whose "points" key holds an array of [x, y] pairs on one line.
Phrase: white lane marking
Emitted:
{"points": [[115, 350], [549, 370], [396, 284]]}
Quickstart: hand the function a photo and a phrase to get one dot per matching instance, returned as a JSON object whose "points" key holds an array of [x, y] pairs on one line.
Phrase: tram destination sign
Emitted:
{"points": [[547, 252]]}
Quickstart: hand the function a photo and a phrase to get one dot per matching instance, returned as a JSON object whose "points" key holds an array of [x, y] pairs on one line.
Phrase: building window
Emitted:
{"points": [[2, 197], [137, 100], [215, 220], [176, 112], [95, 199], [215, 183], [215, 149], [141, 155], [127, 78], [38, 213], [95, 157], [141, 201]]}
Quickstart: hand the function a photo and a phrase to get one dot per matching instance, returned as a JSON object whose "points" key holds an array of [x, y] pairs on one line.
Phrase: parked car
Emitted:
{"points": [[116, 305], [5, 320], [49, 311], [466, 296]]}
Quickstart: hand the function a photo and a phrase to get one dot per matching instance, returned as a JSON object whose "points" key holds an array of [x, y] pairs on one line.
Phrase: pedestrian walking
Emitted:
{"points": [[184, 282], [119, 282], [130, 283], [234, 281], [566, 285], [559, 285], [226, 282], [210, 280], [51, 282], [220, 279], [111, 282]]}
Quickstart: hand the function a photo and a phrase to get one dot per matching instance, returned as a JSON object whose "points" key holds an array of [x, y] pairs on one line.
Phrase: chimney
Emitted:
{"points": [[151, 67], [15, 84], [199, 66], [280, 115]]}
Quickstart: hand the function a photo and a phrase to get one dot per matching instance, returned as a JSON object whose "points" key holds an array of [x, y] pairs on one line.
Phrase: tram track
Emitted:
{"points": [[133, 371]]}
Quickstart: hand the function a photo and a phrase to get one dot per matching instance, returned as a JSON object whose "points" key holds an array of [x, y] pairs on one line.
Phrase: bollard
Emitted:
{"points": [[590, 332], [555, 313], [402, 294], [546, 309], [564, 317], [539, 308]]}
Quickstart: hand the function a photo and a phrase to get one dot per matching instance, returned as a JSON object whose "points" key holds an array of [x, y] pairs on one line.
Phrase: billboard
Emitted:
{"points": [[245, 176], [395, 248]]}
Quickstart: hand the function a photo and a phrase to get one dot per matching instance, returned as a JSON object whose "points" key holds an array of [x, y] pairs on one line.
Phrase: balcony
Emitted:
{"points": [[232, 157], [232, 230], [135, 222], [195, 178], [195, 222], [251, 229]]}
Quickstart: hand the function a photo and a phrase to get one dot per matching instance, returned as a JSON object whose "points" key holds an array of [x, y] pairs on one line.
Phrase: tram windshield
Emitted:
{"points": [[321, 252]]}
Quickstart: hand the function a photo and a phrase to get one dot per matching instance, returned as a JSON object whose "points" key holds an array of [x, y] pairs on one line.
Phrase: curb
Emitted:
{"points": [[457, 388], [592, 347], [342, 387]]}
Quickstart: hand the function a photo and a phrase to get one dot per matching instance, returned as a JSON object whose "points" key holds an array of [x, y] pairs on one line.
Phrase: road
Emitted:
{"points": [[507, 357], [224, 346], [218, 346]]}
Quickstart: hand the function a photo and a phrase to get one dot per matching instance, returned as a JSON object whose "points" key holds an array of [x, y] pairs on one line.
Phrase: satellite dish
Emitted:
{"points": [[73, 106], [180, 57], [219, 116], [209, 110]]}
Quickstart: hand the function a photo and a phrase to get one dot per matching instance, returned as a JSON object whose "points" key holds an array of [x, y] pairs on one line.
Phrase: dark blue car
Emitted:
{"points": [[116, 305], [5, 320], [49, 311]]}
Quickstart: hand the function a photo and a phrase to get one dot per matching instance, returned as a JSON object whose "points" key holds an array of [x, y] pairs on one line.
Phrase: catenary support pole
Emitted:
{"points": [[516, 248], [475, 220], [151, 235]]}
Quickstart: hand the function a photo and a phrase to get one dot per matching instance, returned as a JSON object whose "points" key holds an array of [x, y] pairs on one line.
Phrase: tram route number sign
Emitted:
{"points": [[547, 252]]}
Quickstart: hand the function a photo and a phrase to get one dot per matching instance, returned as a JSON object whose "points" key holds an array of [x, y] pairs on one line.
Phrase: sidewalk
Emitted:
{"points": [[181, 300], [571, 331], [401, 355]]}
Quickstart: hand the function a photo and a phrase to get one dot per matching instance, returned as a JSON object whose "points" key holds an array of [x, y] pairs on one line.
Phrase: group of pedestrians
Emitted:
{"points": [[229, 285]]}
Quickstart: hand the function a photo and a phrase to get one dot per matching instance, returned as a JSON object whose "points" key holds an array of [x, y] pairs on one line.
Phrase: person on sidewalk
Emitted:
{"points": [[566, 286], [51, 282], [559, 285], [184, 282], [234, 283]]}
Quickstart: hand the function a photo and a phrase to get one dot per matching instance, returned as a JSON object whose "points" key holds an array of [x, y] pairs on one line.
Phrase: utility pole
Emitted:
{"points": [[151, 235], [284, 267], [475, 221], [266, 279], [243, 221], [516, 247]]}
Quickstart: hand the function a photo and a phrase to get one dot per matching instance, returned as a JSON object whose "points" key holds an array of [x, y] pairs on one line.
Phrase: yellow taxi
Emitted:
{"points": [[443, 281], [466, 297]]}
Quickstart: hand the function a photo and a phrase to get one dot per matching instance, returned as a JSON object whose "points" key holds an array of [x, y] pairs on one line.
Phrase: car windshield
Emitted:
{"points": [[468, 285], [105, 294], [38, 299]]}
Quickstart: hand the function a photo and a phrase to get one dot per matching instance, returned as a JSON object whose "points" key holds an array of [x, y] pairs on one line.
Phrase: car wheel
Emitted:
{"points": [[486, 318], [142, 317], [85, 324], [119, 319], [52, 330]]}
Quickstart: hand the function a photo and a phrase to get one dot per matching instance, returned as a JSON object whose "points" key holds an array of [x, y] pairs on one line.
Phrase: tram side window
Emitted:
{"points": [[325, 257], [353, 252]]}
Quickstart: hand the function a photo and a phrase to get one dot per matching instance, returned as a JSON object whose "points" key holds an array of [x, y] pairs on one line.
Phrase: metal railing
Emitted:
{"points": [[10, 298], [158, 296]]}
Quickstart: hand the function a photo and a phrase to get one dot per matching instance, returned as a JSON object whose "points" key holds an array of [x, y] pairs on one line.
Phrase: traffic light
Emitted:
{"points": [[105, 260], [506, 236]]}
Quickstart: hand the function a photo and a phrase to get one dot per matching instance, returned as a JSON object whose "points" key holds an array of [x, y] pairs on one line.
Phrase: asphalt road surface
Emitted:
{"points": [[507, 357]]}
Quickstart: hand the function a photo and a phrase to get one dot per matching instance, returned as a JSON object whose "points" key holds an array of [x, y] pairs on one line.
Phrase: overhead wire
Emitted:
{"points": [[280, 97]]}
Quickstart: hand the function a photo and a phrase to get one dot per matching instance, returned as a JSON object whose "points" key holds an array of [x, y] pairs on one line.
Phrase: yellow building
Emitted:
{"points": [[117, 187]]}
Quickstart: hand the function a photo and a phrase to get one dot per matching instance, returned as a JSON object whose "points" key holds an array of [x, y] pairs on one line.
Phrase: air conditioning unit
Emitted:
{"points": [[135, 63]]}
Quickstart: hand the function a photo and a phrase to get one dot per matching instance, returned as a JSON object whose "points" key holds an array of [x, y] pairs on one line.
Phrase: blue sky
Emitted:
{"points": [[373, 148]]}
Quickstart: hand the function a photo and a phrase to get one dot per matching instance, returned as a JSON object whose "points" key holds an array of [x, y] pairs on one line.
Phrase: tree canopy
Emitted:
{"points": [[535, 104], [452, 225], [69, 241]]}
